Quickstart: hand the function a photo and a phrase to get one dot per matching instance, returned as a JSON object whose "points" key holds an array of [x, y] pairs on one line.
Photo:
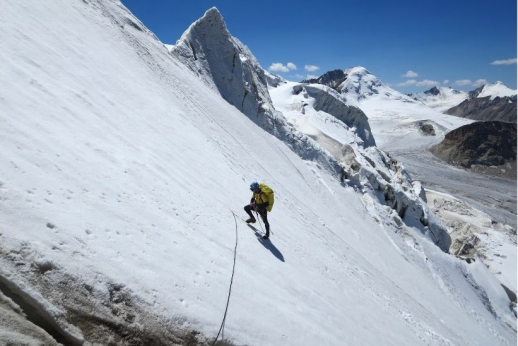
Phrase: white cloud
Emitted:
{"points": [[446, 82], [479, 82], [280, 67], [427, 83], [504, 62], [407, 83], [410, 74], [311, 76], [311, 68], [463, 82]]}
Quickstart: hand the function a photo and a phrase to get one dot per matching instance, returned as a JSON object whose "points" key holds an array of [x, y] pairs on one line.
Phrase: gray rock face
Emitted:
{"points": [[225, 64], [332, 79], [485, 108], [427, 129], [21, 330], [433, 91], [489, 143], [228, 66], [274, 80]]}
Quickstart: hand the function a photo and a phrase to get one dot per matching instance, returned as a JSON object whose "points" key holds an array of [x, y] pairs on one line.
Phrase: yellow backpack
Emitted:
{"points": [[269, 194]]}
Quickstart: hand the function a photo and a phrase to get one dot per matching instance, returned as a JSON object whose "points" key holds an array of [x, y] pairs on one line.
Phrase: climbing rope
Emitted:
{"points": [[230, 288]]}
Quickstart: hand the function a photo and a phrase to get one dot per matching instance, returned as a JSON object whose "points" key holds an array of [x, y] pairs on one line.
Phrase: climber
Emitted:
{"points": [[261, 202]]}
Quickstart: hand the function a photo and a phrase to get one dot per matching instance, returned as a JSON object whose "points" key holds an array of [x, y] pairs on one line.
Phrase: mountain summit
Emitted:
{"points": [[357, 83], [494, 90], [494, 102], [225, 64]]}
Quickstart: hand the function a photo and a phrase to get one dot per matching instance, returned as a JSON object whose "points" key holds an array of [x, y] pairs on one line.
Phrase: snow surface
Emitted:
{"points": [[300, 112], [497, 89], [120, 167], [395, 125], [444, 100]]}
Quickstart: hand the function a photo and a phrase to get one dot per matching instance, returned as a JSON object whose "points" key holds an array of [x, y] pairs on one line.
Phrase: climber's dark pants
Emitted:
{"points": [[262, 211]]}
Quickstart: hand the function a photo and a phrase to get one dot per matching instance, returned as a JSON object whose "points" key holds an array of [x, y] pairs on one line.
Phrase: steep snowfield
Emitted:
{"points": [[122, 182]]}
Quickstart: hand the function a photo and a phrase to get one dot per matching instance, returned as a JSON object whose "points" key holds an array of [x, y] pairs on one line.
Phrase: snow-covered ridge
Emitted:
{"points": [[489, 102], [331, 102], [440, 98], [224, 63], [497, 89], [361, 84]]}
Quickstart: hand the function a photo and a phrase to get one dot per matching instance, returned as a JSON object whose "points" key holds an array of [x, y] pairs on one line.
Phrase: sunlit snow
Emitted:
{"points": [[122, 182]]}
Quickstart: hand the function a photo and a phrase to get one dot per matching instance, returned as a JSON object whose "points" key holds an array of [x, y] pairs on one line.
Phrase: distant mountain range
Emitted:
{"points": [[489, 102], [489, 143], [356, 83], [389, 111], [440, 98]]}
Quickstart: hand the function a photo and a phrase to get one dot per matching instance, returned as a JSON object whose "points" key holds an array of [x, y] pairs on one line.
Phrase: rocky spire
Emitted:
{"points": [[225, 64]]}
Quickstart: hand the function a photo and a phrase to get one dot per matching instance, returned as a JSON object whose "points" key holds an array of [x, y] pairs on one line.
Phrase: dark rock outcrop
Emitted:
{"points": [[433, 91], [488, 143], [332, 79], [486, 108], [426, 129]]}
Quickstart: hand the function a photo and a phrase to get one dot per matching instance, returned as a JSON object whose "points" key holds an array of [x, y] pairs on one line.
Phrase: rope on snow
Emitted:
{"points": [[230, 288]]}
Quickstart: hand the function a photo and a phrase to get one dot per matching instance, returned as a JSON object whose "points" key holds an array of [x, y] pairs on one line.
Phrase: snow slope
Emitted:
{"points": [[122, 182]]}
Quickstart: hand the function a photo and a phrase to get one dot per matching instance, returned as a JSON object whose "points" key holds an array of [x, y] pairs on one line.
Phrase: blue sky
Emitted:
{"points": [[410, 45]]}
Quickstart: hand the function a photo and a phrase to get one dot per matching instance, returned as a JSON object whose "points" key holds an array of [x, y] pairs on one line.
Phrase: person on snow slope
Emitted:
{"points": [[262, 202]]}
